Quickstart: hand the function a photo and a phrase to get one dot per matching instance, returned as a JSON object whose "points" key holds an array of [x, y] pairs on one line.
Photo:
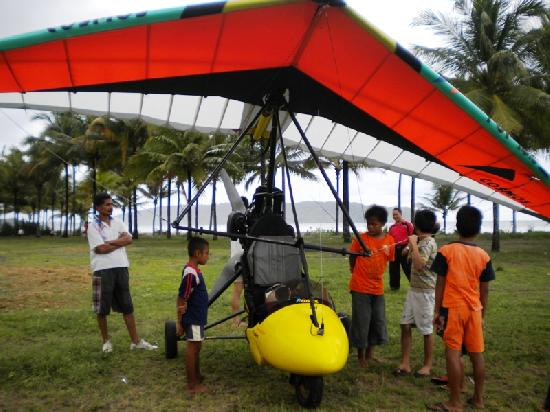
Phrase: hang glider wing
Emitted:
{"points": [[359, 94]]}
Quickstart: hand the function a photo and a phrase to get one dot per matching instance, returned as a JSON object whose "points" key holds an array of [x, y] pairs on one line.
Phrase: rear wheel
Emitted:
{"points": [[170, 339], [309, 390]]}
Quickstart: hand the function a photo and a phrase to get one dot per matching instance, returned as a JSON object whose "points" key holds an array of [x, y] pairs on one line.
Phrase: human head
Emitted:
{"points": [[468, 221], [425, 221], [397, 214], [100, 198], [103, 203], [198, 248], [376, 217]]}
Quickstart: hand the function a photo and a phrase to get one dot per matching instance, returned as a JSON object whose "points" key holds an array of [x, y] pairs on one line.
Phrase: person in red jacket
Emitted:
{"points": [[400, 231]]}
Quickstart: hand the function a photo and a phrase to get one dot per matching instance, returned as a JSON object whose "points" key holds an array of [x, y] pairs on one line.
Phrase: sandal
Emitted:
{"points": [[440, 406], [401, 372]]}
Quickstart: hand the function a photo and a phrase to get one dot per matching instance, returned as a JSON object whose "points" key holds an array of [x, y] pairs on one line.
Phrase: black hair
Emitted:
{"points": [[398, 209], [196, 243], [100, 198], [468, 221], [425, 221], [378, 212]]}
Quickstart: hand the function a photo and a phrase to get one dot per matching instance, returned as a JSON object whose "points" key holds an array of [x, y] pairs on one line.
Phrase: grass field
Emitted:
{"points": [[51, 359]]}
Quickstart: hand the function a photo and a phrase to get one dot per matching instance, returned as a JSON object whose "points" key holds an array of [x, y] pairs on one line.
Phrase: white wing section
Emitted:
{"points": [[210, 114]]}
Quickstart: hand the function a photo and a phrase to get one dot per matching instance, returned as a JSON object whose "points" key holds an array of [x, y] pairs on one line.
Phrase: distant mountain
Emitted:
{"points": [[308, 212]]}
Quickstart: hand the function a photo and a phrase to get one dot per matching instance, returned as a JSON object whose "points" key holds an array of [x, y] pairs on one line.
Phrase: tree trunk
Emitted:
{"points": [[39, 200], [468, 199], [188, 200], [53, 213], [178, 186], [130, 214], [135, 234], [73, 203], [155, 200], [345, 200], [168, 226], [444, 221], [514, 222], [413, 197], [66, 227], [338, 193], [94, 183], [399, 191], [160, 209], [495, 245]]}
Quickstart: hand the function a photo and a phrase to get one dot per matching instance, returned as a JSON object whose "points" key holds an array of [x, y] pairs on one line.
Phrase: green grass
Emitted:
{"points": [[50, 357]]}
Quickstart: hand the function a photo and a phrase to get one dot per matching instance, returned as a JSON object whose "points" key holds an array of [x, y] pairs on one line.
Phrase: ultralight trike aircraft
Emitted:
{"points": [[321, 78]]}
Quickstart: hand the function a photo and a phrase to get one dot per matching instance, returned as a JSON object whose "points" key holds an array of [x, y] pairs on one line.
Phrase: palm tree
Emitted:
{"points": [[489, 53], [42, 168], [170, 154], [445, 199], [15, 180], [487, 46], [60, 132]]}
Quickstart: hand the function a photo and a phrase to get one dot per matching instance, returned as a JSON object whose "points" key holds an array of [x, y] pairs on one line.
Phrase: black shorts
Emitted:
{"points": [[110, 288], [368, 320]]}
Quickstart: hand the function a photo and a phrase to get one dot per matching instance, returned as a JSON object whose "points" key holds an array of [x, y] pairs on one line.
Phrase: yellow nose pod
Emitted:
{"points": [[287, 340]]}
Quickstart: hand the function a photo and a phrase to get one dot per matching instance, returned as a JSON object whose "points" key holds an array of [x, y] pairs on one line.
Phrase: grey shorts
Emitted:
{"points": [[110, 288], [368, 320]]}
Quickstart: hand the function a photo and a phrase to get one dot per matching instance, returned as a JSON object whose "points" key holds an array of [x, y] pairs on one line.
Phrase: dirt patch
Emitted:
{"points": [[31, 287]]}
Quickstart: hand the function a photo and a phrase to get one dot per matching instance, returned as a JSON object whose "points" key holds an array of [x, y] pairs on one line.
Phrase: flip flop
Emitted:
{"points": [[400, 372], [440, 380], [421, 375]]}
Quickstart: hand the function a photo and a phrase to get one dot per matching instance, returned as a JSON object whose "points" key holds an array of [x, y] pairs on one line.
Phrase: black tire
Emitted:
{"points": [[170, 339], [309, 390], [346, 321]]}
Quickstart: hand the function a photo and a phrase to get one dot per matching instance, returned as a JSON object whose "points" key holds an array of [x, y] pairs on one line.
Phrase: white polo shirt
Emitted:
{"points": [[100, 232]]}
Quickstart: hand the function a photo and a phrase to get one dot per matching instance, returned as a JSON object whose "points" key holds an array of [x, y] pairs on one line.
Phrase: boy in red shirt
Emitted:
{"points": [[462, 289], [368, 318]]}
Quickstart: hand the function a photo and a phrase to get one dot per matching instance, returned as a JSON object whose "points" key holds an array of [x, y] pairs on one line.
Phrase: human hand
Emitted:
{"points": [[179, 328], [439, 322], [182, 309], [386, 250]]}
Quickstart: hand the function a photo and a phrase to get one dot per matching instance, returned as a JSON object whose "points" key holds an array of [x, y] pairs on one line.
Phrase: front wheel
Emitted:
{"points": [[309, 390], [170, 339]]}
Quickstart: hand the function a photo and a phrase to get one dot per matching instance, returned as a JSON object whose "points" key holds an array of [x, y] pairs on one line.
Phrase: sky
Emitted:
{"points": [[394, 17]]}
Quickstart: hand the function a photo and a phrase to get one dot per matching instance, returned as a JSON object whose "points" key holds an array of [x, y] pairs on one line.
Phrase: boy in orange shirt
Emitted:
{"points": [[368, 317], [462, 289]]}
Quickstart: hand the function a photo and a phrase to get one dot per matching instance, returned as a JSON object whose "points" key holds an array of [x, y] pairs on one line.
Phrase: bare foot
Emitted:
{"points": [[423, 371], [198, 388], [475, 404], [363, 363]]}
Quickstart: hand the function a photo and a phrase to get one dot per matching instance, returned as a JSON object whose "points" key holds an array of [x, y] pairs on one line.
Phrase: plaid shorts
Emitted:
{"points": [[110, 288]]}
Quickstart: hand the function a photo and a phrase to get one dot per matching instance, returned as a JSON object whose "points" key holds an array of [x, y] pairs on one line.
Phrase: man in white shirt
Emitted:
{"points": [[107, 238]]}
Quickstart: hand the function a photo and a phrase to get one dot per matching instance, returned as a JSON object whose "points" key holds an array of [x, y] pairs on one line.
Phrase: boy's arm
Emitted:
{"points": [[486, 276], [439, 266], [483, 296], [352, 259], [418, 261], [124, 239]]}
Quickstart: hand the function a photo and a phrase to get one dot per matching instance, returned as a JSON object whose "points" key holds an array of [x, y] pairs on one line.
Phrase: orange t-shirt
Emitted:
{"points": [[464, 266], [368, 271]]}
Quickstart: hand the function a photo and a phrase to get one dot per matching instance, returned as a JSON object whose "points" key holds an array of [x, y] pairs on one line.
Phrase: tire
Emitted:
{"points": [[170, 339], [309, 390], [346, 321]]}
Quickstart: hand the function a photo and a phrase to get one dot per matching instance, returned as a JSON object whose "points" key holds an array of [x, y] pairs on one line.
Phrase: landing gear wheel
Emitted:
{"points": [[170, 339], [309, 390]]}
